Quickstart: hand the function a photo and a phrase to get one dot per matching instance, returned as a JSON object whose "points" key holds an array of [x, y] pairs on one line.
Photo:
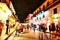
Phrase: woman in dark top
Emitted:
{"points": [[7, 26], [1, 27]]}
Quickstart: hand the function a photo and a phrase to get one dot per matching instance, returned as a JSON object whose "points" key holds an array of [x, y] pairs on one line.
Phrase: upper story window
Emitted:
{"points": [[55, 10], [43, 7], [39, 9], [54, 0], [48, 3]]}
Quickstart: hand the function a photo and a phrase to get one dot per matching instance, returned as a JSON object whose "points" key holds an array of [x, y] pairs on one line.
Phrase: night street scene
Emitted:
{"points": [[29, 19]]}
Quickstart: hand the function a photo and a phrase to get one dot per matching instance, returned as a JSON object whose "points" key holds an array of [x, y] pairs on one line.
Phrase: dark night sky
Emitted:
{"points": [[24, 7]]}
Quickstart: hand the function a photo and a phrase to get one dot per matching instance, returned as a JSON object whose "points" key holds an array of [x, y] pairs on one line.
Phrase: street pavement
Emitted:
{"points": [[3, 35], [30, 35], [26, 35]]}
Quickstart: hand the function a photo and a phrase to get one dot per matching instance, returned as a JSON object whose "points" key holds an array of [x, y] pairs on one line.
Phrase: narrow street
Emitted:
{"points": [[29, 19], [31, 35]]}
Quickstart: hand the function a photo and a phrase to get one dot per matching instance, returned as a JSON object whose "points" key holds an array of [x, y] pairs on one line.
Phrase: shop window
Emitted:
{"points": [[37, 18], [40, 18], [55, 10], [43, 16]]}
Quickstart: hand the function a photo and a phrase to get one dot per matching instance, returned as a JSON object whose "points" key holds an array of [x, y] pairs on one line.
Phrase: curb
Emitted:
{"points": [[9, 35]]}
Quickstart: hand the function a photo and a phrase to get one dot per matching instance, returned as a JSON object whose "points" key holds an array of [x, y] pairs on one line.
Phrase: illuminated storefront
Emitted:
{"points": [[6, 14]]}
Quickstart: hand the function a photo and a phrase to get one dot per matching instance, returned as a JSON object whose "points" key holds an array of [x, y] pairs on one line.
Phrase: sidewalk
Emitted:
{"points": [[29, 35], [26, 35], [3, 36]]}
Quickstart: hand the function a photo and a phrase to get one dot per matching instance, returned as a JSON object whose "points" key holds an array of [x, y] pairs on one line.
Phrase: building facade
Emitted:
{"points": [[51, 5], [51, 10]]}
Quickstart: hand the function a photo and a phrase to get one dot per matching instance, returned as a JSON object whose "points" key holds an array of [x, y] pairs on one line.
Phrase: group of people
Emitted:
{"points": [[19, 28], [43, 27], [40, 27], [54, 27]]}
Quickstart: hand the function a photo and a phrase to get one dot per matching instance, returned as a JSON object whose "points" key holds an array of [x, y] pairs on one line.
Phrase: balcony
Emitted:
{"points": [[51, 4]]}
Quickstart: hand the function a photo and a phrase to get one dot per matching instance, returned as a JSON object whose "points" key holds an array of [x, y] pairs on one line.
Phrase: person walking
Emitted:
{"points": [[22, 27], [7, 26], [28, 26], [34, 26]]}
